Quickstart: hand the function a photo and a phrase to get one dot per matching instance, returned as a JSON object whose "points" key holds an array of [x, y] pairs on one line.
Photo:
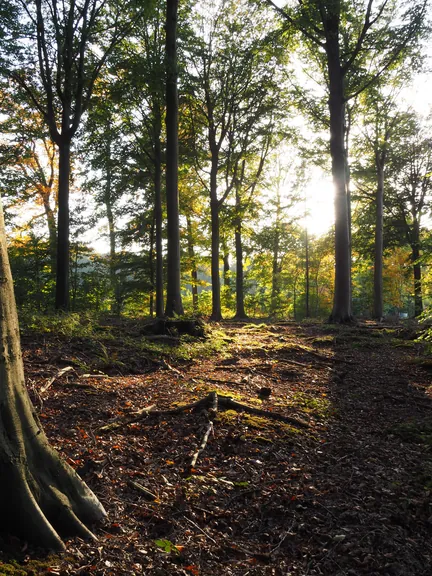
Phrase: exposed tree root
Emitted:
{"points": [[223, 402]]}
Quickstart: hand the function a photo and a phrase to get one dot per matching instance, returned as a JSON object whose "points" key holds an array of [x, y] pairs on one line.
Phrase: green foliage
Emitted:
{"points": [[64, 325]]}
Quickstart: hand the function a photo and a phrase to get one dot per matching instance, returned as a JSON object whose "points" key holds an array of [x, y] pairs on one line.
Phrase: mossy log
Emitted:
{"points": [[42, 498]]}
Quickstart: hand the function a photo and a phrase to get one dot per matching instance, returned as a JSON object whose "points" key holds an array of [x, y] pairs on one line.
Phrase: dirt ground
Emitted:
{"points": [[347, 494]]}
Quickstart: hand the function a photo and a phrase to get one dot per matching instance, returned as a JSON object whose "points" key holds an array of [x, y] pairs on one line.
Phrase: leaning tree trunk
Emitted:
{"points": [[62, 272], [342, 294], [174, 305], [42, 498], [379, 243]]}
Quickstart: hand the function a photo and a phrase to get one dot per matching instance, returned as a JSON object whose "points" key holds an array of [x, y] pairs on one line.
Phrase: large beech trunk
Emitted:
{"points": [[42, 497], [174, 305], [342, 294], [62, 272], [158, 223]]}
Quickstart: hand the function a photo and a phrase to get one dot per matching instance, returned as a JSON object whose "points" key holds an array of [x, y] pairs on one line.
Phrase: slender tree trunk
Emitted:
{"points": [[151, 266], [240, 310], [174, 303], [62, 279], [216, 314], [158, 219], [379, 241], [116, 308], [42, 497], [275, 273], [342, 294], [226, 269], [415, 247], [52, 227], [307, 273], [193, 264]]}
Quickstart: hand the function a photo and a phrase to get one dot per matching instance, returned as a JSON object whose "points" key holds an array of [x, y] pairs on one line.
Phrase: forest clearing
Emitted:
{"points": [[349, 493], [166, 166]]}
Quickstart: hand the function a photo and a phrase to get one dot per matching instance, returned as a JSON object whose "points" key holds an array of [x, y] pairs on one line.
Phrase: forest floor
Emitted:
{"points": [[349, 494]]}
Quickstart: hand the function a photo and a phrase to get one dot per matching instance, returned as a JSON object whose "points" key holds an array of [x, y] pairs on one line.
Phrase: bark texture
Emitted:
{"points": [[173, 300], [378, 311], [62, 272], [43, 498], [342, 295]]}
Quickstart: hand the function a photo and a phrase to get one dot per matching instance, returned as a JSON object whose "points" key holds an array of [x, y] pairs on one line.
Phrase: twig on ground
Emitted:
{"points": [[212, 415], [56, 377], [200, 529]]}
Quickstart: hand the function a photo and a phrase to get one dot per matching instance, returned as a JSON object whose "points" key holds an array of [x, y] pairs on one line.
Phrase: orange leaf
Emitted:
{"points": [[192, 569]]}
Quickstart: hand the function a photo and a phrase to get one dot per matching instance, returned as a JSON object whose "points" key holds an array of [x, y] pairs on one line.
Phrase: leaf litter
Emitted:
{"points": [[348, 495]]}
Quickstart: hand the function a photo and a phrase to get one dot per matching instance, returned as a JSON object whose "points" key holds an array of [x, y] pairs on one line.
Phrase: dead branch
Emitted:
{"points": [[54, 378], [142, 490], [119, 423], [213, 397]]}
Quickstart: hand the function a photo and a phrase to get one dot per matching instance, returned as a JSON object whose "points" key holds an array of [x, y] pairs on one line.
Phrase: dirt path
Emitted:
{"points": [[349, 495]]}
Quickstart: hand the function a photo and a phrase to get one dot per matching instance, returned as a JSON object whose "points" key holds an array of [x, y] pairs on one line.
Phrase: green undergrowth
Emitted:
{"points": [[113, 344], [318, 407], [64, 325], [416, 432], [30, 567], [256, 428]]}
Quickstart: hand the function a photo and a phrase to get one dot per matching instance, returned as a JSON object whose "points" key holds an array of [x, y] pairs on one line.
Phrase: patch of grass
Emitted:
{"points": [[315, 406], [323, 340], [249, 424], [30, 567], [398, 343], [423, 362], [416, 432]]}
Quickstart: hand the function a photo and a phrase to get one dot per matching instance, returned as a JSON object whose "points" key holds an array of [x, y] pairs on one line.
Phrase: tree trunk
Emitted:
{"points": [[62, 272], [52, 228], [42, 497], [415, 247], [151, 266], [193, 265], [174, 304], [379, 241], [275, 272], [342, 294], [240, 310], [158, 219], [116, 308], [226, 269], [307, 273], [216, 314]]}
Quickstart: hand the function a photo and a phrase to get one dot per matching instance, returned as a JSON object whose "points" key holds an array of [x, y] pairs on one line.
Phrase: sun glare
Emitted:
{"points": [[319, 206]]}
